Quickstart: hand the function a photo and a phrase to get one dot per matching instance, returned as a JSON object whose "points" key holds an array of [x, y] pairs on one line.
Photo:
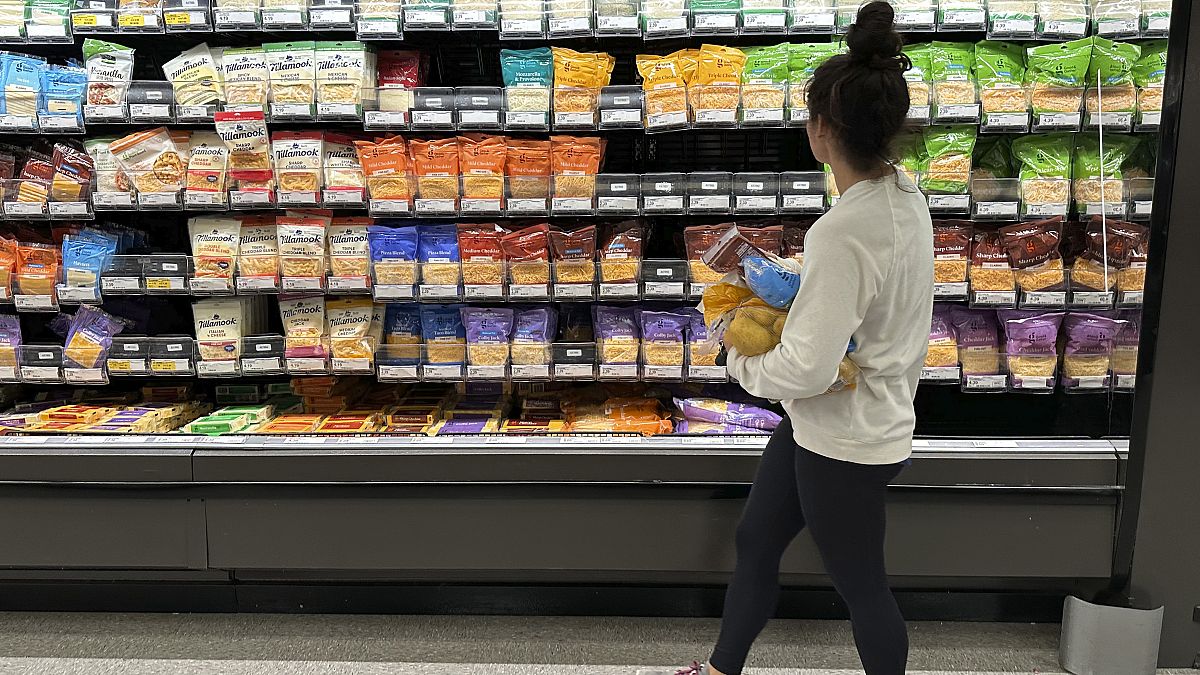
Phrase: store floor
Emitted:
{"points": [[264, 644]]}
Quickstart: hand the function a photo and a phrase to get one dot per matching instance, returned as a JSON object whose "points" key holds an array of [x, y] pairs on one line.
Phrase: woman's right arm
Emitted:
{"points": [[841, 278]]}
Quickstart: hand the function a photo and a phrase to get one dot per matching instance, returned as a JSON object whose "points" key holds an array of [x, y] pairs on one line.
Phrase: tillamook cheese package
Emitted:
{"points": [[214, 245], [219, 327], [349, 249], [340, 68], [247, 79], [303, 325], [301, 246], [193, 75], [297, 157], [293, 73], [258, 251]]}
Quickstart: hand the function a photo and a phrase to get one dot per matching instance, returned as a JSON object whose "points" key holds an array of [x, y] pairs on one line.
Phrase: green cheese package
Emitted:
{"points": [[1098, 177], [764, 77], [1045, 167], [1000, 71], [910, 155], [918, 75], [992, 160], [951, 65], [948, 169], [1112, 67], [1059, 74], [1149, 73]]}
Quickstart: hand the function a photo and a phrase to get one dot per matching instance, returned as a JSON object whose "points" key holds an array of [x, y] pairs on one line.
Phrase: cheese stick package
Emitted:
{"points": [[215, 242]]}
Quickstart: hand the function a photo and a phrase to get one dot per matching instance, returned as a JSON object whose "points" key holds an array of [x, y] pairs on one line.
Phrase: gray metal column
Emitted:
{"points": [[1162, 500]]}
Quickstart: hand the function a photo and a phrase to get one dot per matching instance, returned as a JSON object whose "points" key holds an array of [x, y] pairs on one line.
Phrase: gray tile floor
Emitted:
{"points": [[263, 644]]}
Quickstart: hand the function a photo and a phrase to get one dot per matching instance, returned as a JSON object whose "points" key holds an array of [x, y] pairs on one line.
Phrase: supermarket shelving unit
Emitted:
{"points": [[1007, 494]]}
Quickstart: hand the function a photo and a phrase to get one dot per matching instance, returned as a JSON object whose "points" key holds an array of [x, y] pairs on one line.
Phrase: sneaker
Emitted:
{"points": [[696, 668]]}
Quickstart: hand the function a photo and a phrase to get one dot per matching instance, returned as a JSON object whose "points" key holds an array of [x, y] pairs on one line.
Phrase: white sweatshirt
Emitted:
{"points": [[868, 274]]}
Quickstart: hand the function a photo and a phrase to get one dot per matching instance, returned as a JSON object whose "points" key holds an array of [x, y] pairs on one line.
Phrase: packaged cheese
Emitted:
{"points": [[193, 76], [301, 246], [219, 327], [214, 245], [297, 156], [349, 249], [303, 326]]}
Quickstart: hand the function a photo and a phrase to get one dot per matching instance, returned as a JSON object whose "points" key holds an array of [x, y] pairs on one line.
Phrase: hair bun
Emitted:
{"points": [[872, 38]]}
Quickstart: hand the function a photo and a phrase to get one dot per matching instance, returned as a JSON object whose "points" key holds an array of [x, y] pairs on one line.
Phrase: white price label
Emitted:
{"points": [[571, 205], [112, 200], [484, 291], [282, 17], [291, 110], [616, 24], [663, 289], [528, 291], [708, 202], [480, 205], [59, 122], [159, 199], [714, 22], [619, 204], [755, 203], [485, 372], [815, 22], [1013, 26], [570, 25], [1044, 299], [438, 292], [394, 373], [572, 291], [40, 373], [666, 119], [668, 25], [950, 202], [261, 364], [348, 283], [1151, 118], [235, 18], [139, 112], [424, 18], [916, 19], [191, 198], [1125, 381], [521, 26], [1120, 120], [990, 382], [302, 283], [200, 113], [386, 119], [34, 303], [707, 373], [1116, 27], [342, 197], [307, 365], [471, 17], [435, 206], [389, 206], [997, 209], [620, 371], [762, 115], [764, 20], [991, 298], [337, 110], [330, 17], [918, 112], [378, 27], [958, 112], [489, 118], [948, 290], [528, 372], [216, 368], [297, 198], [527, 205], [570, 371], [438, 371], [711, 116], [803, 202], [257, 284], [387, 292], [24, 208], [947, 374], [78, 293], [526, 118], [628, 290], [659, 203], [1006, 120], [109, 284], [341, 365], [964, 17], [1065, 27], [211, 285], [1091, 299], [621, 116], [1058, 120], [433, 118], [16, 122], [652, 372], [1107, 208], [574, 119], [1046, 209]]}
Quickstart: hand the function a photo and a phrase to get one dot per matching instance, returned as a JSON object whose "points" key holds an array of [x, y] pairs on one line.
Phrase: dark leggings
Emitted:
{"points": [[843, 506]]}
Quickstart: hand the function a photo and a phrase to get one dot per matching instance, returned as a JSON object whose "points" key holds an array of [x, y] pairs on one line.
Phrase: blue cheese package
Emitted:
{"points": [[437, 251], [393, 254], [444, 335], [85, 256], [63, 88], [22, 84], [402, 335]]}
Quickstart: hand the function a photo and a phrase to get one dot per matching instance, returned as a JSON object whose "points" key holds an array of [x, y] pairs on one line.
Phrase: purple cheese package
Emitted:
{"points": [[687, 426], [727, 412]]}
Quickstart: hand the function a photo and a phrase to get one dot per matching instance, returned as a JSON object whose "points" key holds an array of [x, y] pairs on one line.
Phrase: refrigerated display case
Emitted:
{"points": [[377, 306]]}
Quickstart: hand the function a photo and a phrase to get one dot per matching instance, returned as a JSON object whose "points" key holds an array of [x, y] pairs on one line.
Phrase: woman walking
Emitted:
{"points": [[868, 275]]}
